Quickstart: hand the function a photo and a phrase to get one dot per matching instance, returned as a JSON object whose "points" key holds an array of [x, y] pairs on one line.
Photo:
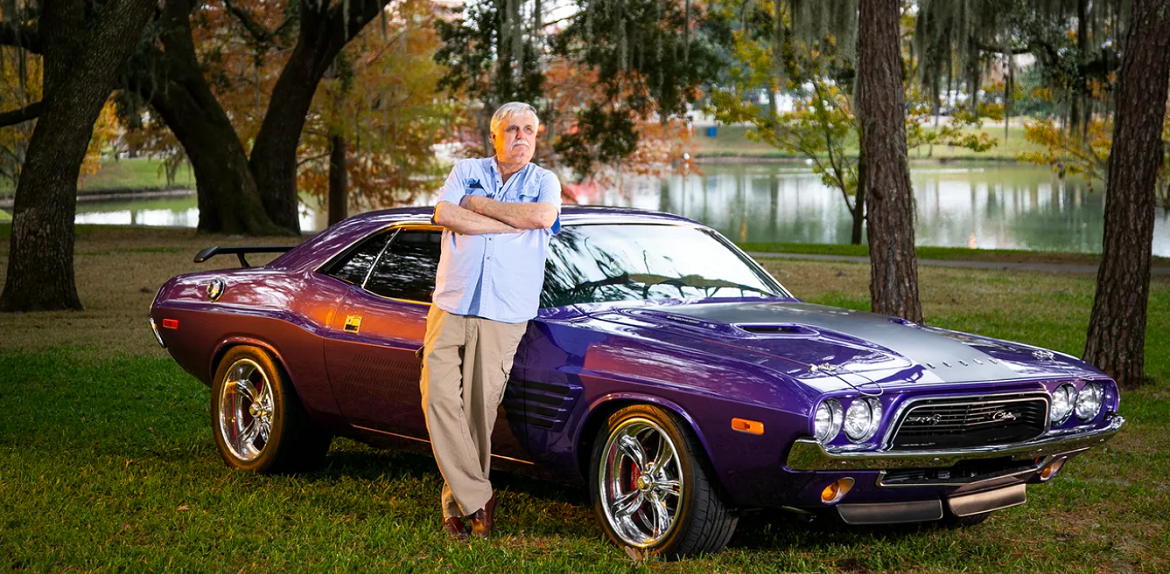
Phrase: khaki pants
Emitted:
{"points": [[466, 362]]}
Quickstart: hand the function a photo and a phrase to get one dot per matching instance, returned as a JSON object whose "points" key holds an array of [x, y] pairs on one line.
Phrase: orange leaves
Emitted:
{"points": [[1068, 152], [380, 97]]}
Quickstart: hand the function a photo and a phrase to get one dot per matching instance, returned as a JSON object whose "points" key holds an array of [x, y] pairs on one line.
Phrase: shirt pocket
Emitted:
{"points": [[527, 196]]}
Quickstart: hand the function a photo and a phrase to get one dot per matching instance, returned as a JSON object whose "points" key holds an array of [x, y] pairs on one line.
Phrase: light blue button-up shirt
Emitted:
{"points": [[496, 276]]}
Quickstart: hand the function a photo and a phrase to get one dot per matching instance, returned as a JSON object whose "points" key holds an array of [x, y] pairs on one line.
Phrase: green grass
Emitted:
{"points": [[126, 174], [107, 461], [732, 141], [942, 253]]}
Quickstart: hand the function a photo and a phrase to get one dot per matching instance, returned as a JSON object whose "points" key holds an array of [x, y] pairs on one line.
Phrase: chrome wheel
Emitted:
{"points": [[640, 482], [245, 409]]}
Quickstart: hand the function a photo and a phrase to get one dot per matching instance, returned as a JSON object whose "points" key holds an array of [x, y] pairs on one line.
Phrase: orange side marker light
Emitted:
{"points": [[170, 323], [750, 427]]}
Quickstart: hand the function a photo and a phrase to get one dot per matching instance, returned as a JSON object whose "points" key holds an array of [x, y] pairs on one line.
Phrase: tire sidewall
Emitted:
{"points": [[268, 456], [669, 545]]}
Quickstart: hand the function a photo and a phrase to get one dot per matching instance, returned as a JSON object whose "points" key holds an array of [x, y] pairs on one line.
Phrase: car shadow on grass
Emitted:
{"points": [[782, 530]]}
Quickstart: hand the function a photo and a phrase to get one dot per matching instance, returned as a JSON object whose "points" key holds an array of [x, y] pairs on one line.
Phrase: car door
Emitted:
{"points": [[376, 332], [378, 326]]}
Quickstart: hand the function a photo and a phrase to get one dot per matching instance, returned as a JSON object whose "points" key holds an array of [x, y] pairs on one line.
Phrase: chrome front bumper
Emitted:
{"points": [[808, 454]]}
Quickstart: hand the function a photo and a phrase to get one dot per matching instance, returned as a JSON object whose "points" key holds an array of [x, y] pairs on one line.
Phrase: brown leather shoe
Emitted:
{"points": [[454, 527], [481, 521]]}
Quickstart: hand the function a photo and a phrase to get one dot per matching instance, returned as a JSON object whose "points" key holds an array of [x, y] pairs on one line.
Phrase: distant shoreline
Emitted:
{"points": [[117, 194], [114, 195]]}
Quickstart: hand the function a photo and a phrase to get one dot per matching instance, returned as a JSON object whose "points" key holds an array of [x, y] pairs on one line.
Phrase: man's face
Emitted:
{"points": [[515, 138]]}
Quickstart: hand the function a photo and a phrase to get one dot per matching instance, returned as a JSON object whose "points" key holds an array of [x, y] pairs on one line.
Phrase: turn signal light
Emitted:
{"points": [[750, 427], [1051, 470], [170, 323], [836, 490]]}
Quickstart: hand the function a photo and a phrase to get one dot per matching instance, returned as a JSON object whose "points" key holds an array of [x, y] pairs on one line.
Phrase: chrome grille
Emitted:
{"points": [[970, 422]]}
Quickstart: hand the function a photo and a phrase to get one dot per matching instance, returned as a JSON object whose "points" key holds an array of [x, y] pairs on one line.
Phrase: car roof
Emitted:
{"points": [[570, 215], [317, 250]]}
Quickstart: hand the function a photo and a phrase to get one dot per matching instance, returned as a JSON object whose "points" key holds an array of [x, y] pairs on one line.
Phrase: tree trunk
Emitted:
{"points": [[324, 31], [228, 199], [1117, 326], [338, 190], [858, 215], [82, 60], [886, 182]]}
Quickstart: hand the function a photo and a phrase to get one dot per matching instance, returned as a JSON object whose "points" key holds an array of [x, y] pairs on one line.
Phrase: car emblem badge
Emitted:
{"points": [[215, 289], [1043, 355], [353, 323], [1004, 416], [927, 420]]}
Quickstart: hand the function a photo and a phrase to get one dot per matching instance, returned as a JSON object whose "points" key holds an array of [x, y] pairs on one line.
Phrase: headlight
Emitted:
{"points": [[1089, 401], [828, 421], [862, 419], [1063, 399]]}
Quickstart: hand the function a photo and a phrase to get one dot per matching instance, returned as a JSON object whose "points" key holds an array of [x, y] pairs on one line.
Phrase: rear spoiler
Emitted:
{"points": [[240, 252]]}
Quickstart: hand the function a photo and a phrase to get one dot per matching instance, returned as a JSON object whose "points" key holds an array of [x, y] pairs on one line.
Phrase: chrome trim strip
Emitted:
{"points": [[981, 502], [157, 335], [906, 407], [416, 439], [808, 454], [1033, 469]]}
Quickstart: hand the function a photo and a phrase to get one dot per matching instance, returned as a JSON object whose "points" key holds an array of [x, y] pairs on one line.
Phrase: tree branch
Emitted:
{"points": [[1000, 50], [24, 114], [20, 35], [258, 32]]}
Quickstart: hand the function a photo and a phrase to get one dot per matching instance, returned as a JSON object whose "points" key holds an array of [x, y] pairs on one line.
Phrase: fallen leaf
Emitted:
{"points": [[183, 508]]}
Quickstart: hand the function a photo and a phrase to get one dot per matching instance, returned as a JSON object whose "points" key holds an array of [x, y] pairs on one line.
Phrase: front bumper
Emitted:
{"points": [[808, 454]]}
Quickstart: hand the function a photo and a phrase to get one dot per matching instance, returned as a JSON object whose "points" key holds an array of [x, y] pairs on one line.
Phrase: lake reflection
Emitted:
{"points": [[982, 206]]}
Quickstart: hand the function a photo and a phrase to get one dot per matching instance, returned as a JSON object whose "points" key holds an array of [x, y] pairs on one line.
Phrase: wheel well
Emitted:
{"points": [[603, 412], [223, 351], [589, 431]]}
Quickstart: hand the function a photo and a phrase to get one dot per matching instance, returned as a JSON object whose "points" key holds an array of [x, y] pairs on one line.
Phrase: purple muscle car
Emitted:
{"points": [[667, 372]]}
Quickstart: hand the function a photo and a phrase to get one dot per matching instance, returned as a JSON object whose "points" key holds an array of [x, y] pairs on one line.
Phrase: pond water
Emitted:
{"points": [[983, 206]]}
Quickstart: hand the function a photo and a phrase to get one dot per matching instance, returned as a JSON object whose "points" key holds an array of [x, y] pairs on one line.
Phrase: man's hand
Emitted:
{"points": [[463, 220], [519, 215]]}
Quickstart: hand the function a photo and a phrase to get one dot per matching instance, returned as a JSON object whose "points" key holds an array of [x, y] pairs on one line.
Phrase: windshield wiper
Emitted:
{"points": [[650, 280]]}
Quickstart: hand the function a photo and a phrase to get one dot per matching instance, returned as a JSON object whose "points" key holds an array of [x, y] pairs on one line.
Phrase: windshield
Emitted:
{"points": [[595, 263]]}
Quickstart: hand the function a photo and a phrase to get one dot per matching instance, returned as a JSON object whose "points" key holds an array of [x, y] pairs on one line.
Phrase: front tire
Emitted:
{"points": [[257, 419], [652, 488]]}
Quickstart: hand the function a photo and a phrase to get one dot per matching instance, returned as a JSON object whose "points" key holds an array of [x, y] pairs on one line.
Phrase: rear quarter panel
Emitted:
{"points": [[285, 312]]}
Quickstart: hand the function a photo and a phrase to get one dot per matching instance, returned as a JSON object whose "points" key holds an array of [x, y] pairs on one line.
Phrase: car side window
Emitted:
{"points": [[354, 267], [407, 268]]}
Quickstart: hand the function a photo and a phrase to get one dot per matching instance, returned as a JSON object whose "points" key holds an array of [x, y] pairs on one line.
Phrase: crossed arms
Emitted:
{"points": [[476, 215]]}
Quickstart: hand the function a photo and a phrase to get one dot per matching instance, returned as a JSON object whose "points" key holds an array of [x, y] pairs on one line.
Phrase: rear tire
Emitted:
{"points": [[653, 489], [257, 419]]}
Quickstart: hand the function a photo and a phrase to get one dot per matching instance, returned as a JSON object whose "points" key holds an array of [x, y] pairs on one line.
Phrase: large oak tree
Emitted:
{"points": [[1117, 326], [231, 184], [84, 45]]}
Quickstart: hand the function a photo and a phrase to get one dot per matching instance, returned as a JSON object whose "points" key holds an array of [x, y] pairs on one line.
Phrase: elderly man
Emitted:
{"points": [[499, 213]]}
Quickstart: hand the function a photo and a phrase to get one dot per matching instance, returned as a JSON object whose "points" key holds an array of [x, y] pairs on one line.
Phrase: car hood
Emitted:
{"points": [[858, 347]]}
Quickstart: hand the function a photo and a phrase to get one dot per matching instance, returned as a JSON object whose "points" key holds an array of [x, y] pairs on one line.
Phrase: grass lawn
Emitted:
{"points": [[126, 174], [107, 461], [733, 141], [942, 253]]}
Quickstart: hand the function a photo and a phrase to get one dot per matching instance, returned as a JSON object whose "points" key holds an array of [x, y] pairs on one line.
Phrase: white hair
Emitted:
{"points": [[510, 109]]}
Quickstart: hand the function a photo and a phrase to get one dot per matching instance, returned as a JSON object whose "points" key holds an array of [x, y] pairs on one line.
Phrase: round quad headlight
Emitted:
{"points": [[862, 419], [1063, 399], [828, 421], [1089, 401]]}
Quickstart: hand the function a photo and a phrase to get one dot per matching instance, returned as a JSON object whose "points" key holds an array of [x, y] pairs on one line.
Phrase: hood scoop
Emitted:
{"points": [[779, 330]]}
